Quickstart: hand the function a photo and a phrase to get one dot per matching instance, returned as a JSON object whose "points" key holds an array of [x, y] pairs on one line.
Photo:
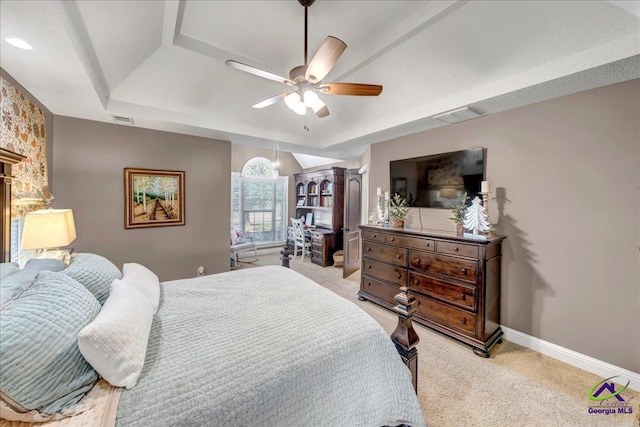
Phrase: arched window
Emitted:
{"points": [[259, 166], [259, 202]]}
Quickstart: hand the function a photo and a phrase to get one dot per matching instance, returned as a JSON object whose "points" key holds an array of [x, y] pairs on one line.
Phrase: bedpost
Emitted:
{"points": [[405, 337], [285, 252]]}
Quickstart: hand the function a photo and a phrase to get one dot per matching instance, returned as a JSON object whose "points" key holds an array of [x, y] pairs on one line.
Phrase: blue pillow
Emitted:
{"points": [[44, 264], [7, 269], [42, 368], [95, 272], [14, 284]]}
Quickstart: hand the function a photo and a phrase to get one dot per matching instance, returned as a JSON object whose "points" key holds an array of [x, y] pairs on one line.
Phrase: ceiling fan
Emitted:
{"points": [[305, 80]]}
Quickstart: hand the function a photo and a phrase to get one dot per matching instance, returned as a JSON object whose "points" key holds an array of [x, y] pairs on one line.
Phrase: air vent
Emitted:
{"points": [[122, 119], [458, 115]]}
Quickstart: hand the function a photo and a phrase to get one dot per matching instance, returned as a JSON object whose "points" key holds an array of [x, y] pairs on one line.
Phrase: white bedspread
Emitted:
{"points": [[266, 347]]}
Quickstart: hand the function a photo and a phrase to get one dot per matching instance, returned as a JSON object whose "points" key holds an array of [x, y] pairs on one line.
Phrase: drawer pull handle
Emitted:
{"points": [[375, 235], [464, 296], [368, 249], [464, 271], [418, 261], [464, 320], [418, 302], [369, 266], [428, 244], [399, 256], [393, 239], [368, 283], [399, 275], [456, 249], [417, 282]]}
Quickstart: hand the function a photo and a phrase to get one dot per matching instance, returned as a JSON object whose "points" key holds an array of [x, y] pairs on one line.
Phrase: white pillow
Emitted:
{"points": [[144, 280], [115, 343]]}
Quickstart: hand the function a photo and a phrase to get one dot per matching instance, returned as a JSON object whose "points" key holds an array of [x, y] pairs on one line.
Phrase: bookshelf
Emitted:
{"points": [[321, 192]]}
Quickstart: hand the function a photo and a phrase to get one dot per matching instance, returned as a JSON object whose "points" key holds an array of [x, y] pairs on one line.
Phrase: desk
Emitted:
{"points": [[324, 243]]}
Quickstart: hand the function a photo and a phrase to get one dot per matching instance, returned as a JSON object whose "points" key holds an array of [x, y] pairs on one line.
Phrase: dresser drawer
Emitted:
{"points": [[449, 292], [411, 242], [385, 253], [446, 315], [374, 235], [445, 265], [455, 248], [385, 271], [382, 290]]}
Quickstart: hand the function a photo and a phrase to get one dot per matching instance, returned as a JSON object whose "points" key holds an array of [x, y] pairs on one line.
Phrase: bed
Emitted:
{"points": [[264, 346]]}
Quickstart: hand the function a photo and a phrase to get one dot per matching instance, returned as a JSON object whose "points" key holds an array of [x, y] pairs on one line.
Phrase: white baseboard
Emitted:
{"points": [[579, 360]]}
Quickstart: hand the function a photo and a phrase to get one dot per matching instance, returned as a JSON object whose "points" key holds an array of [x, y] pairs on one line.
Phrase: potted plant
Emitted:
{"points": [[459, 210], [398, 210]]}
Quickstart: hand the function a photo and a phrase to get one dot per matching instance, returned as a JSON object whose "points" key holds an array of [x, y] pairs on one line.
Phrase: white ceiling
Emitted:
{"points": [[162, 62]]}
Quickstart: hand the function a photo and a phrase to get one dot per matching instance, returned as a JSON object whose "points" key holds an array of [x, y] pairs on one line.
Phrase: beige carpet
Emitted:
{"points": [[515, 387]]}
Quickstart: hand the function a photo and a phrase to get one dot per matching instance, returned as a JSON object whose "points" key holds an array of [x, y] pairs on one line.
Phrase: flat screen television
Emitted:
{"points": [[439, 180]]}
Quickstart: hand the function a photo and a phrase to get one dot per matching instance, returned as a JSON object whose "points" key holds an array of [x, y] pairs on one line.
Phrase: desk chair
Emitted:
{"points": [[299, 239]]}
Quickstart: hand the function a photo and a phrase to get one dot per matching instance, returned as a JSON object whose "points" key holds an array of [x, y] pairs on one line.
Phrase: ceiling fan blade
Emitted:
{"points": [[270, 101], [323, 112], [258, 72], [356, 89], [324, 59]]}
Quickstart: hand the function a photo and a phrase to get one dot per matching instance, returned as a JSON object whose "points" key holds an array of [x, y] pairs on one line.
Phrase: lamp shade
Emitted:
{"points": [[48, 228]]}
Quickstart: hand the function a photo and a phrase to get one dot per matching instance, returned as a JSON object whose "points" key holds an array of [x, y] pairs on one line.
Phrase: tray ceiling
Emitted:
{"points": [[162, 62]]}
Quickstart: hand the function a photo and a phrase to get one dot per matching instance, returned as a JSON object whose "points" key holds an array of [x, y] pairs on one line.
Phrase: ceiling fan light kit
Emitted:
{"points": [[295, 104], [307, 78]]}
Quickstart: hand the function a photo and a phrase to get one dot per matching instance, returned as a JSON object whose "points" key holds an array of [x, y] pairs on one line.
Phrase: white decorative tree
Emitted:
{"points": [[475, 219], [376, 216]]}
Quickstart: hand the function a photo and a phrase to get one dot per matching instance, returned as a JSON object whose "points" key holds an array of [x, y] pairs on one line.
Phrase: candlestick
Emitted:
{"points": [[378, 191], [484, 187], [485, 203], [386, 208]]}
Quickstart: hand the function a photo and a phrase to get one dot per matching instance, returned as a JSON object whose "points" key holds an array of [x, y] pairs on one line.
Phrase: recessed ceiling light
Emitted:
{"points": [[19, 43]]}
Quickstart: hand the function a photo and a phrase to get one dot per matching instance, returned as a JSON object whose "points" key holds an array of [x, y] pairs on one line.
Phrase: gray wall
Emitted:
{"points": [[365, 160], [90, 158], [566, 174]]}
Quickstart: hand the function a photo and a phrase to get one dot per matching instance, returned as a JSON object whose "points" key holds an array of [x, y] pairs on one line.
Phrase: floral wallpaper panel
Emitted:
{"points": [[23, 131]]}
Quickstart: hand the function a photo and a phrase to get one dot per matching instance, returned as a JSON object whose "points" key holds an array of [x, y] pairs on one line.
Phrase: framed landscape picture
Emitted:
{"points": [[153, 198]]}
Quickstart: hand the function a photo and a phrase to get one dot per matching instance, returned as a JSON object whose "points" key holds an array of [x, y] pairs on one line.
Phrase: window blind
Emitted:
{"points": [[18, 255]]}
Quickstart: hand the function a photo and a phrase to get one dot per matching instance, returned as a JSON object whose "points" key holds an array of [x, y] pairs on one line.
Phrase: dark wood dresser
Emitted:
{"points": [[455, 280]]}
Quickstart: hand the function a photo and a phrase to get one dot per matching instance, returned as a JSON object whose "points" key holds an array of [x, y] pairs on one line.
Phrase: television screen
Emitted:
{"points": [[439, 180]]}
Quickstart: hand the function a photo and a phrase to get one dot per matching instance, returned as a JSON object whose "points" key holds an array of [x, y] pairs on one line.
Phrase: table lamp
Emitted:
{"points": [[47, 230]]}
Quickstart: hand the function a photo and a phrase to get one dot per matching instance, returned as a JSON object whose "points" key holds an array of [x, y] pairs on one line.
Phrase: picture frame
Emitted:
{"points": [[153, 198], [309, 219]]}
